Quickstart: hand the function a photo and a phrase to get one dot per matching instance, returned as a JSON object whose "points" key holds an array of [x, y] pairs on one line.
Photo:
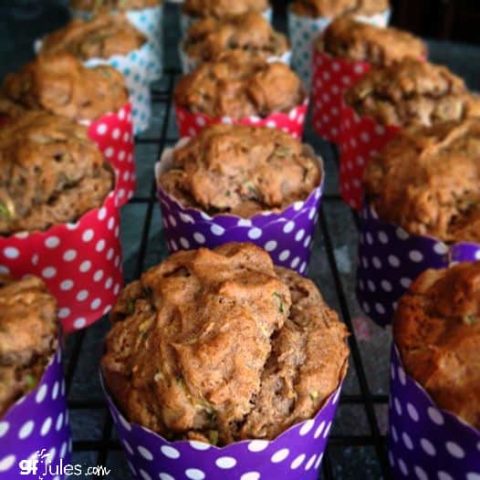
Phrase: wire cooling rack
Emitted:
{"points": [[357, 443]]}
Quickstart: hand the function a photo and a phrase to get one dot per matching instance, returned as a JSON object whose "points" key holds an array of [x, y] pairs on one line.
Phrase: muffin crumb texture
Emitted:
{"points": [[241, 171], [437, 330], [220, 346], [28, 336], [223, 8], [335, 8]]}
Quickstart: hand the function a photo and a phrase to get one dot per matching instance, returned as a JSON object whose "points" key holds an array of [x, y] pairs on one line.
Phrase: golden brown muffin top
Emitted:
{"points": [[223, 8], [437, 330], [50, 173], [335, 8], [218, 346], [59, 83], [348, 38], [428, 181], [28, 336], [103, 36], [207, 39], [238, 88], [412, 93], [241, 171], [109, 5]]}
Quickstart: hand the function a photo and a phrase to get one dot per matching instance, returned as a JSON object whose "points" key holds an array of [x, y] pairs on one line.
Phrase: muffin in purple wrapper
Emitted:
{"points": [[422, 211], [34, 429], [220, 364], [242, 184], [434, 413]]}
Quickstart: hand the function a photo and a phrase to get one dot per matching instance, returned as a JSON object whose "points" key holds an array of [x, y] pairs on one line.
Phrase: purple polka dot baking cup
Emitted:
{"points": [[389, 259], [295, 454], [286, 235], [35, 432], [424, 441]]}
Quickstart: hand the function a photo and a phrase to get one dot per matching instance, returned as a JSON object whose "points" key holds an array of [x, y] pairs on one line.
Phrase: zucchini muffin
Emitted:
{"points": [[437, 331], [219, 346], [103, 36], [28, 336], [427, 181], [51, 173], [335, 8], [207, 39], [109, 5], [241, 170], [59, 84], [238, 88], [354, 40], [223, 8], [412, 93]]}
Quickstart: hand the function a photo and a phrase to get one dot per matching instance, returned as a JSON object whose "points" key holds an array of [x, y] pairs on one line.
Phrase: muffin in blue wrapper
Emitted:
{"points": [[285, 232], [242, 381]]}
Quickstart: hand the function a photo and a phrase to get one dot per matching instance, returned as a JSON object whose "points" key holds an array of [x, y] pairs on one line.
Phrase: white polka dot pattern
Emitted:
{"points": [[423, 441]]}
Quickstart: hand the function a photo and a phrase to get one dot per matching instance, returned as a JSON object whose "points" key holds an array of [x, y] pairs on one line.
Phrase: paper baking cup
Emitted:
{"points": [[389, 259], [296, 454], [113, 133], [424, 441], [37, 428], [80, 263], [191, 124], [303, 32], [360, 138], [331, 78], [286, 236]]}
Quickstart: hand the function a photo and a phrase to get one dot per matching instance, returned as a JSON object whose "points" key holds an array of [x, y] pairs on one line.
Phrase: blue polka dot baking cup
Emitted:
{"points": [[390, 259], [296, 454], [286, 235], [424, 441], [35, 439]]}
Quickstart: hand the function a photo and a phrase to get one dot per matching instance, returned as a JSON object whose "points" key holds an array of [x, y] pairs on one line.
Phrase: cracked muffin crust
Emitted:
{"points": [[437, 331], [348, 38], [50, 173], [223, 8], [238, 88], [428, 181], [28, 336], [59, 84], [335, 8], [241, 171], [412, 93], [103, 36], [108, 5], [207, 39], [219, 346]]}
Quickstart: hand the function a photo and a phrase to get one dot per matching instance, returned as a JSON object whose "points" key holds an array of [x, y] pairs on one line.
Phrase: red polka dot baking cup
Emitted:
{"points": [[80, 263], [331, 78], [361, 137], [389, 259], [113, 133], [191, 124], [286, 236], [35, 431], [296, 454], [424, 441]]}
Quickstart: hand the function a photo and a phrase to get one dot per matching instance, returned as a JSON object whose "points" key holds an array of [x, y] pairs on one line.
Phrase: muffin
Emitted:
{"points": [[336, 8], [51, 173], [172, 361], [412, 93], [28, 336], [109, 5], [220, 9], [59, 84], [207, 39]]}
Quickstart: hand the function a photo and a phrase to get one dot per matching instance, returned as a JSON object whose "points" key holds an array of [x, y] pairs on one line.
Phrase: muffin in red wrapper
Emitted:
{"points": [[242, 201], [409, 94], [59, 84], [34, 424], [239, 90], [59, 218], [188, 403], [421, 212], [434, 429], [342, 55]]}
